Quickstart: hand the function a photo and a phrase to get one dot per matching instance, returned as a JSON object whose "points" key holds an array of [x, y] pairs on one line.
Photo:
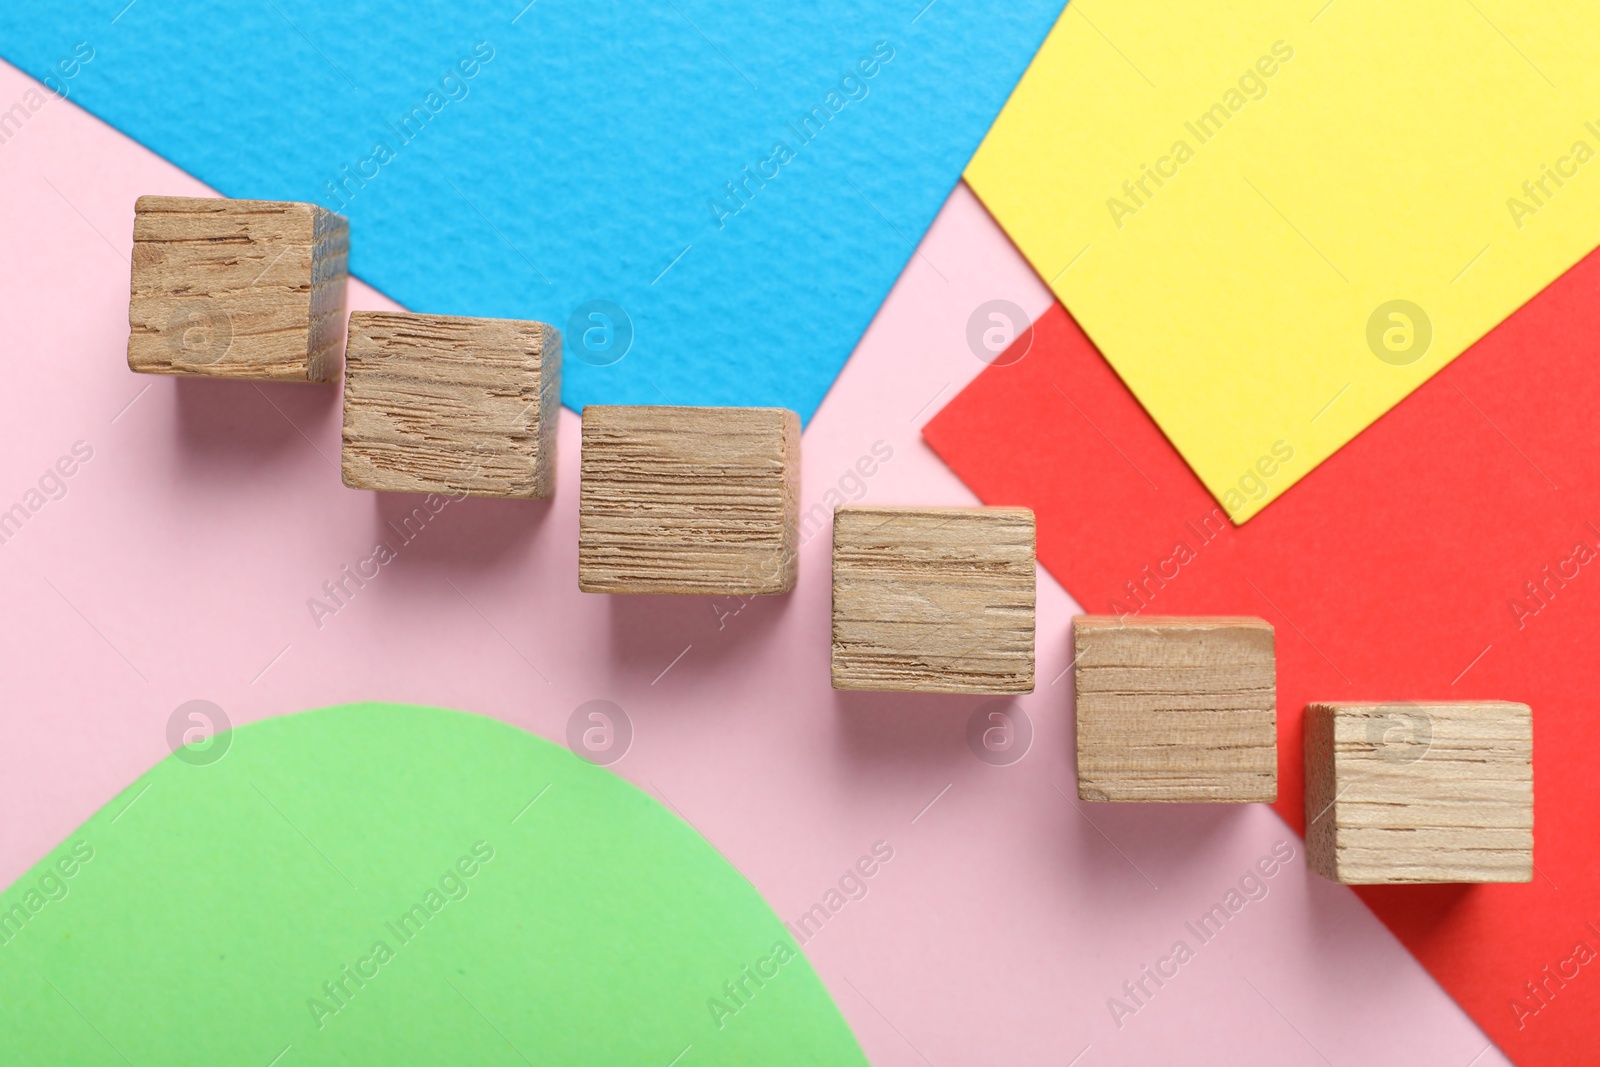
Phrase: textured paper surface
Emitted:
{"points": [[210, 513], [654, 178], [378, 883], [1448, 553], [1277, 220]]}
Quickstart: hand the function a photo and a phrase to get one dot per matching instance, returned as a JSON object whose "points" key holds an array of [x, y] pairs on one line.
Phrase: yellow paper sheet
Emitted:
{"points": [[1276, 219]]}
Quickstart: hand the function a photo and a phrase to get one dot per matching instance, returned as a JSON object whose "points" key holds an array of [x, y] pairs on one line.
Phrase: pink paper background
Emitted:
{"points": [[180, 561]]}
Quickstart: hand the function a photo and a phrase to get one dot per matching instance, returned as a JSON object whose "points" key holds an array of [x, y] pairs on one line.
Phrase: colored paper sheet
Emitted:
{"points": [[387, 884], [1452, 551], [1277, 220], [711, 199]]}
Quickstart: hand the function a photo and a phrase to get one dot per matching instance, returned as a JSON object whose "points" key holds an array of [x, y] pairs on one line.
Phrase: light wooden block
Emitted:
{"points": [[437, 404], [689, 500], [1420, 792], [237, 289], [933, 600], [1176, 709]]}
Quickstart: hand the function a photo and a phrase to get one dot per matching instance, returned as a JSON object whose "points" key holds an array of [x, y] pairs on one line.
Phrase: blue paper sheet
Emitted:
{"points": [[743, 181]]}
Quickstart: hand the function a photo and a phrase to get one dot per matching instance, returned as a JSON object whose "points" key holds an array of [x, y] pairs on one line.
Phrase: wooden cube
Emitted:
{"points": [[933, 600], [1422, 792], [237, 289], [689, 500], [436, 404], [1176, 709]]}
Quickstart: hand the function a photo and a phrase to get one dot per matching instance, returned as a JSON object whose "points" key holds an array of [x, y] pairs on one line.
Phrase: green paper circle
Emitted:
{"points": [[534, 908]]}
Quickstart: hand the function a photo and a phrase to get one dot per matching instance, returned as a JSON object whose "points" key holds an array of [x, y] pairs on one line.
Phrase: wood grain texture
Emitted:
{"points": [[436, 404], [933, 600], [237, 289], [689, 500], [1175, 709], [1420, 792]]}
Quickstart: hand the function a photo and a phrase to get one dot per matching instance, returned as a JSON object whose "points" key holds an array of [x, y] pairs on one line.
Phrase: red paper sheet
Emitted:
{"points": [[1451, 551]]}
